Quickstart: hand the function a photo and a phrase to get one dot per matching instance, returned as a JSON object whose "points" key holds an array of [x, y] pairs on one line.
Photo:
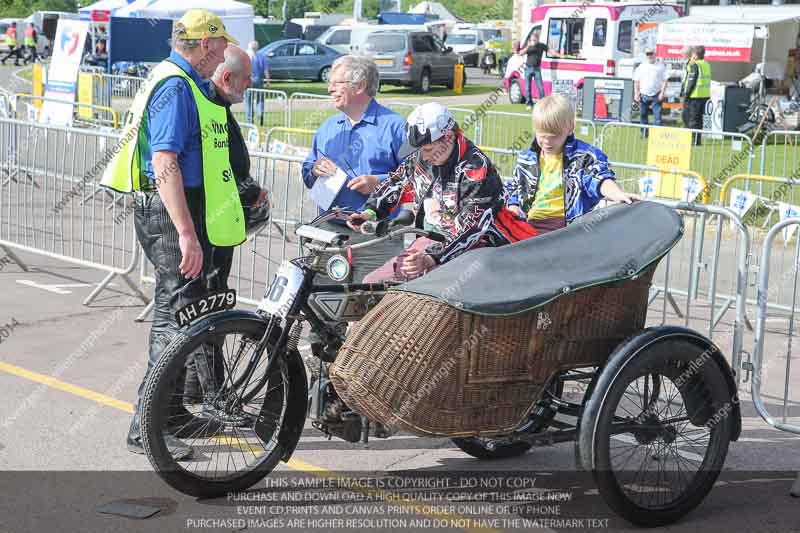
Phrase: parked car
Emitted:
{"points": [[467, 44], [414, 58], [337, 37], [298, 59]]}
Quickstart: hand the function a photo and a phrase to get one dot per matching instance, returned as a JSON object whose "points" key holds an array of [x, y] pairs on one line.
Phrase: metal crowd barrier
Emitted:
{"points": [[289, 141], [780, 154], [115, 90], [778, 395], [265, 108], [44, 175], [308, 110], [109, 117], [723, 323], [719, 156], [770, 190]]}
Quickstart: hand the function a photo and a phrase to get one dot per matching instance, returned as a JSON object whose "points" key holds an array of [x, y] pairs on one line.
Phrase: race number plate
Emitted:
{"points": [[281, 293], [213, 302]]}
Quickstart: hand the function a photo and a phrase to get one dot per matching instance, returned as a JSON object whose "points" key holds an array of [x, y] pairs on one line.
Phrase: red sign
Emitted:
{"points": [[713, 53], [101, 15]]}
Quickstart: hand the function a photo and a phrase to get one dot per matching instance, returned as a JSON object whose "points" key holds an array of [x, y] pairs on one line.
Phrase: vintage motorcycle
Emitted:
{"points": [[481, 350]]}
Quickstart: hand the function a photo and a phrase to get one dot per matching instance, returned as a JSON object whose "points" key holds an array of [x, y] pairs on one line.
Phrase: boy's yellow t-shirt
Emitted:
{"points": [[549, 201]]}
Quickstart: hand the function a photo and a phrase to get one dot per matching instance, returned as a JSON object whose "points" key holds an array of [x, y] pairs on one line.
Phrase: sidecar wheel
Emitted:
{"points": [[657, 428]]}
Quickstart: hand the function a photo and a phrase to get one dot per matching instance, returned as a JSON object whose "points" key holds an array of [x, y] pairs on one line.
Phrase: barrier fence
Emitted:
{"points": [[719, 156], [46, 176], [265, 108], [306, 110], [94, 115], [115, 90], [780, 153], [768, 393]]}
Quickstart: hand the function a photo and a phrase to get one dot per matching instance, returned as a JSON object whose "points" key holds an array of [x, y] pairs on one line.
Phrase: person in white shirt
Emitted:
{"points": [[649, 84]]}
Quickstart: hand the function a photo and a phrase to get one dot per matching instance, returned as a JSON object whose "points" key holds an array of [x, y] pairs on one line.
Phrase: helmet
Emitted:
{"points": [[428, 123]]}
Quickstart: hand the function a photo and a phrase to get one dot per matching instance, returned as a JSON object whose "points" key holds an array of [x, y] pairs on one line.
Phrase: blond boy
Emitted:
{"points": [[560, 177]]}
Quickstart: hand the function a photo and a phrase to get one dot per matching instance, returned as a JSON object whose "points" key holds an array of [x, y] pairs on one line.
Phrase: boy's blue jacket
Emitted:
{"points": [[585, 169]]}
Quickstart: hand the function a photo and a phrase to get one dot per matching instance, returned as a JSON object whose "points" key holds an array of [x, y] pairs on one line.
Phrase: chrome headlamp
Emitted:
{"points": [[338, 268]]}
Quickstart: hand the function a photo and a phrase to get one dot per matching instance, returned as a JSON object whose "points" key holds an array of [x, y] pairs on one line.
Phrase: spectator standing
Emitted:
{"points": [[30, 40], [533, 66], [259, 79], [649, 84], [696, 91], [364, 142], [185, 202], [12, 42]]}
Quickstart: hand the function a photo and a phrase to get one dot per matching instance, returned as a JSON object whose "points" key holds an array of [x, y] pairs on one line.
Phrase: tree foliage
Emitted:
{"points": [[24, 8]]}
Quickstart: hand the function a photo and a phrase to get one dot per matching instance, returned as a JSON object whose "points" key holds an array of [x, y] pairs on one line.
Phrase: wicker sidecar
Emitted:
{"points": [[480, 350]]}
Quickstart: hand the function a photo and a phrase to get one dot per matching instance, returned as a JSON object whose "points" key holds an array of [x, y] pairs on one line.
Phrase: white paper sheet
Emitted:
{"points": [[325, 189]]}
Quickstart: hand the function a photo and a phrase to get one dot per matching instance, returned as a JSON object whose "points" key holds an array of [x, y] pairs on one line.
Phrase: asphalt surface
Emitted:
{"points": [[69, 375]]}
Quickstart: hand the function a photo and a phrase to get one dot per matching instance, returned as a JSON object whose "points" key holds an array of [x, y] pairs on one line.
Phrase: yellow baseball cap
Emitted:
{"points": [[199, 23]]}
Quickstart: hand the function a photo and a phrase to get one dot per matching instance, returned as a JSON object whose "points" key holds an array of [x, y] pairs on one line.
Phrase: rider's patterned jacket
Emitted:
{"points": [[585, 169], [468, 192]]}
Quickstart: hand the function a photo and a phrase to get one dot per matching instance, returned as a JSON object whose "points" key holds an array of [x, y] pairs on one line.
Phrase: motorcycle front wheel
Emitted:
{"points": [[235, 422]]}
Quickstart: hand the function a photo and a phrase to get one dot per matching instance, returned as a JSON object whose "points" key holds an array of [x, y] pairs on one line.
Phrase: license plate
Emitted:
{"points": [[283, 290], [213, 302], [385, 62]]}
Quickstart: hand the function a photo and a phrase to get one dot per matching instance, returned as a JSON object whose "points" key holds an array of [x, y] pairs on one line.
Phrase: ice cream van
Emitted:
{"points": [[593, 39]]}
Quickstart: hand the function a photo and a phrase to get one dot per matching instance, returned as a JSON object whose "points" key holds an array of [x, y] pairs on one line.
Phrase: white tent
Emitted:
{"points": [[433, 8], [103, 7], [237, 16]]}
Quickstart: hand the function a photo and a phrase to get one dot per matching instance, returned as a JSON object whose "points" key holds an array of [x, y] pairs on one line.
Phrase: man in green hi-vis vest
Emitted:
{"points": [[173, 154], [696, 91]]}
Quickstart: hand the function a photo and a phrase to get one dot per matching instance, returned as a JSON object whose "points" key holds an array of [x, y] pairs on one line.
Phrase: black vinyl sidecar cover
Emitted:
{"points": [[606, 245]]}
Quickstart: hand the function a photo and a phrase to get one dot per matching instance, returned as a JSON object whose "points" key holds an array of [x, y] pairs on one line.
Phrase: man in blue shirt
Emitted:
{"points": [[169, 217], [259, 79], [364, 141]]}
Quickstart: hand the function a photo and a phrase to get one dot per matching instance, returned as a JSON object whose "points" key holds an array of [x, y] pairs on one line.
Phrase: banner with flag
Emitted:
{"points": [[788, 211], [740, 201]]}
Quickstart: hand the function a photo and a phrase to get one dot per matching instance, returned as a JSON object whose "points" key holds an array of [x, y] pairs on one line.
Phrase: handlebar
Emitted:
{"points": [[390, 235]]}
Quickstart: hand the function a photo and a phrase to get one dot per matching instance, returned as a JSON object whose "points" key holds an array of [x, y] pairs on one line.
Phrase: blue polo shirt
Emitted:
{"points": [[172, 124], [371, 146]]}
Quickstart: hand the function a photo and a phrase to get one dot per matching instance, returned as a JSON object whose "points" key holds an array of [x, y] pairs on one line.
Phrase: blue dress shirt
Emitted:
{"points": [[370, 147], [172, 124]]}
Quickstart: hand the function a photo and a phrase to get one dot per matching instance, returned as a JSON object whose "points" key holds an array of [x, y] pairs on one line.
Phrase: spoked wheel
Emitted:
{"points": [[234, 428], [504, 448], [661, 433]]}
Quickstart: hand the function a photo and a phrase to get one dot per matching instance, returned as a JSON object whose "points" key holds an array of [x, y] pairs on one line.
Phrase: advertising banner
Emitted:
{"points": [[62, 77], [723, 42]]}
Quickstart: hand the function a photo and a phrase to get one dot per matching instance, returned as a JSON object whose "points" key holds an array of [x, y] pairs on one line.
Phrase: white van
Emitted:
{"points": [[594, 37], [337, 37], [467, 44]]}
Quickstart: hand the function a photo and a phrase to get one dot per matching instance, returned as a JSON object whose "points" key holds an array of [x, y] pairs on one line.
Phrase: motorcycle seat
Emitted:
{"points": [[606, 245]]}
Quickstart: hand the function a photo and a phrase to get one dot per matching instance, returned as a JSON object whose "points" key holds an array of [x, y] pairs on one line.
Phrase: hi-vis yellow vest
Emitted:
{"points": [[11, 37], [224, 215], [702, 89]]}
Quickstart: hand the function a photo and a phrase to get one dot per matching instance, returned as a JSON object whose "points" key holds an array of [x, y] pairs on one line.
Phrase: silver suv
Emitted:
{"points": [[414, 58]]}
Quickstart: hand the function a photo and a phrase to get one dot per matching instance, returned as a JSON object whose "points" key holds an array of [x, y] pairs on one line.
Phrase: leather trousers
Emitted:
{"points": [[159, 239]]}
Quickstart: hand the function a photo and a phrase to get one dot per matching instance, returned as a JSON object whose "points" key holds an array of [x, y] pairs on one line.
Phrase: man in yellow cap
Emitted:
{"points": [[173, 154]]}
